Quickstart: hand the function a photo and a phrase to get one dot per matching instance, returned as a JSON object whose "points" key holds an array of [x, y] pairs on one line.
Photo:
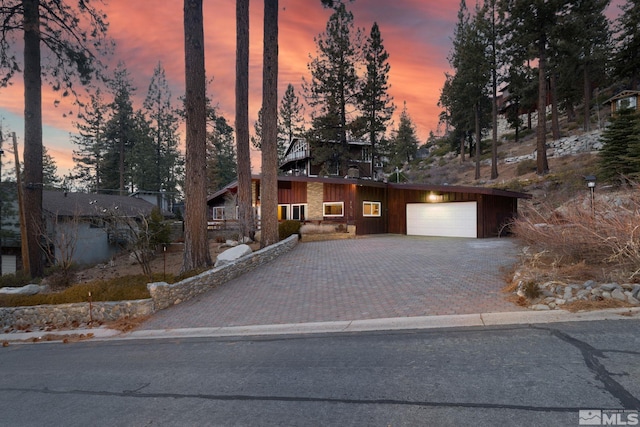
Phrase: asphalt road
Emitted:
{"points": [[539, 375]]}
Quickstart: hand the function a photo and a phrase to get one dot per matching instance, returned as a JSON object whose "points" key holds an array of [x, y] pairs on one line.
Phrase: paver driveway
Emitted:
{"points": [[372, 277]]}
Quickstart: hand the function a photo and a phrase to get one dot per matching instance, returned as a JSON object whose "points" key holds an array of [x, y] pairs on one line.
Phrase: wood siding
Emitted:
{"points": [[371, 225], [493, 211], [292, 192]]}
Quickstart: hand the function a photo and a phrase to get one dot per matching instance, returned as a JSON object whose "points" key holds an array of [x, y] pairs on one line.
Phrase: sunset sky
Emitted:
{"points": [[416, 34]]}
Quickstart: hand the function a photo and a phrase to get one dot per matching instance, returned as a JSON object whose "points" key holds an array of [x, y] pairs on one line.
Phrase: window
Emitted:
{"points": [[371, 208], [218, 212], [333, 209], [283, 212], [629, 102], [299, 212]]}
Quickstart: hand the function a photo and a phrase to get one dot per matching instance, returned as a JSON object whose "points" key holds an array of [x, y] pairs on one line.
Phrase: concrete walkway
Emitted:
{"points": [[376, 277]]}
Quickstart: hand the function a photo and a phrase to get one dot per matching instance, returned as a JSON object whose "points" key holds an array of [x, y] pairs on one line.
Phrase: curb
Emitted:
{"points": [[370, 325]]}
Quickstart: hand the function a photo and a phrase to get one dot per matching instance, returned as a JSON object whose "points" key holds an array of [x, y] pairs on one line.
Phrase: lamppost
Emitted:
{"points": [[591, 184]]}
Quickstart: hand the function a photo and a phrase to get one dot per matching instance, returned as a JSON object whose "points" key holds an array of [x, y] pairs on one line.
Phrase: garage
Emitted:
{"points": [[457, 219]]}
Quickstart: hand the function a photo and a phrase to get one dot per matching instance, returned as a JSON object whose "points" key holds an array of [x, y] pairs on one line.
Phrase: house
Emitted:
{"points": [[10, 246], [379, 207], [77, 224], [298, 160], [624, 99]]}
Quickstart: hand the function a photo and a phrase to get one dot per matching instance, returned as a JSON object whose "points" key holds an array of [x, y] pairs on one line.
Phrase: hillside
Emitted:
{"points": [[570, 158]]}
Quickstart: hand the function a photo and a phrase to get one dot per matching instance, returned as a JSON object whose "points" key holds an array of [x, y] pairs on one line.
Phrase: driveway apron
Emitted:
{"points": [[373, 277]]}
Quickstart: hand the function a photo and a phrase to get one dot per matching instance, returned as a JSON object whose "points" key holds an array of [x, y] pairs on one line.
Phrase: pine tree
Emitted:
{"points": [[334, 88], [245, 208], [291, 119], [404, 142], [269, 181], [464, 94], [626, 60], [620, 154], [50, 178], [221, 153], [89, 157], [375, 102], [63, 43], [586, 32], [167, 164], [196, 244]]}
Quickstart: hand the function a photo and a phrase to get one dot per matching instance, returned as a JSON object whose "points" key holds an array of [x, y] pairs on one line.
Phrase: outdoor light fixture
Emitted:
{"points": [[591, 184]]}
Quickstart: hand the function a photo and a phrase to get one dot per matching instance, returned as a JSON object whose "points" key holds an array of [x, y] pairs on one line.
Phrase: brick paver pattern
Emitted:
{"points": [[366, 278]]}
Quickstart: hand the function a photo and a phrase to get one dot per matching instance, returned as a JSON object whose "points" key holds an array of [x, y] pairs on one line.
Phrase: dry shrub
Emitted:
{"points": [[318, 229], [587, 240]]}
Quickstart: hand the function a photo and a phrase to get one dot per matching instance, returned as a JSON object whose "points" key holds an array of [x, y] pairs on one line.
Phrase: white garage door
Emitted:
{"points": [[442, 219]]}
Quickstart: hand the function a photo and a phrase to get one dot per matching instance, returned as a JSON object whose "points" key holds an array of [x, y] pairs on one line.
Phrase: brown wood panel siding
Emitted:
{"points": [[497, 212], [341, 193], [493, 211], [292, 192], [371, 225]]}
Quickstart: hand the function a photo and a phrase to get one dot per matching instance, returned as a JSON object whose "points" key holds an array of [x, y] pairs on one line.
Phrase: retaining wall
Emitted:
{"points": [[163, 295]]}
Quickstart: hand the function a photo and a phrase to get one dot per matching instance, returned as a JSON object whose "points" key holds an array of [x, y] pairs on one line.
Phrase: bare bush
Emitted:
{"points": [[606, 235]]}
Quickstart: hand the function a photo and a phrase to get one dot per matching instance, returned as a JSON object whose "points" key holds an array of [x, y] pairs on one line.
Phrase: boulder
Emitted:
{"points": [[23, 290], [230, 255]]}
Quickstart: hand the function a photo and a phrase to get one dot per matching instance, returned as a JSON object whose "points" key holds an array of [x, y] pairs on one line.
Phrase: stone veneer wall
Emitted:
{"points": [[315, 197], [163, 295]]}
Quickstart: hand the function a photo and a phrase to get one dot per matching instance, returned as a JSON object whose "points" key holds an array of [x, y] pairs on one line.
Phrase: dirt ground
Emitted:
{"points": [[168, 262]]}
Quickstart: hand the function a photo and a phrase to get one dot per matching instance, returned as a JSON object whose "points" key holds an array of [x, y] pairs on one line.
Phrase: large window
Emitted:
{"points": [[283, 212], [333, 209], [371, 208], [299, 212]]}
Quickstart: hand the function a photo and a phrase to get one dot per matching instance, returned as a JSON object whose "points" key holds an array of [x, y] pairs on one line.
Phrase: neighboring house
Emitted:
{"points": [[85, 216], [624, 99], [10, 248], [298, 160], [378, 207]]}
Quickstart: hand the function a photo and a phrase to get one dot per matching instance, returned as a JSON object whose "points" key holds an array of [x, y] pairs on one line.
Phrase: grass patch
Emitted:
{"points": [[118, 289]]}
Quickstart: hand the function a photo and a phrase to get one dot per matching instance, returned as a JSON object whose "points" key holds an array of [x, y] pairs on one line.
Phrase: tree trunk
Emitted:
{"points": [[494, 90], [555, 122], [494, 124], [269, 182], [462, 149], [196, 249], [32, 136], [587, 98], [243, 152], [478, 137], [542, 166]]}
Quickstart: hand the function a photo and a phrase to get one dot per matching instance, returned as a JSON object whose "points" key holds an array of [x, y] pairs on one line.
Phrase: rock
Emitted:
{"points": [[568, 293], [596, 292], [540, 307], [582, 294], [24, 290], [606, 295], [633, 301], [230, 255], [619, 295], [548, 294], [636, 291], [609, 287], [560, 301], [589, 284], [231, 243], [552, 305]]}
